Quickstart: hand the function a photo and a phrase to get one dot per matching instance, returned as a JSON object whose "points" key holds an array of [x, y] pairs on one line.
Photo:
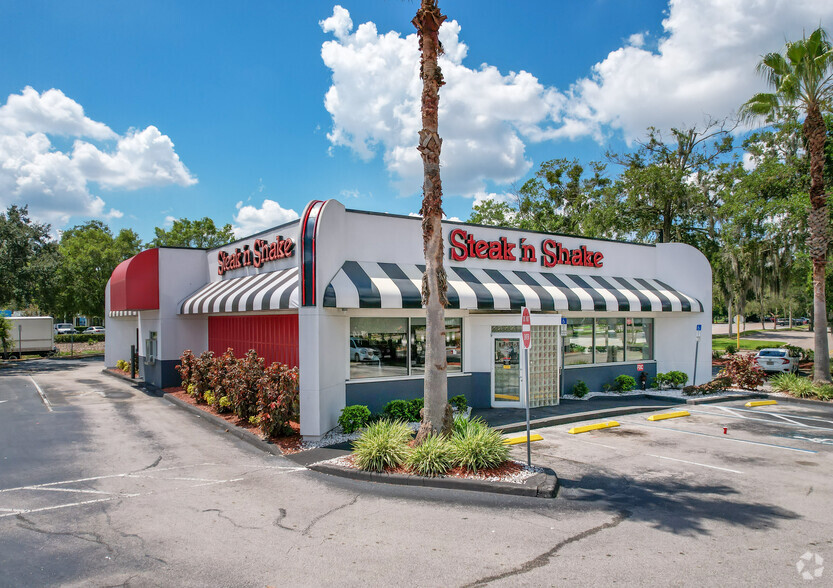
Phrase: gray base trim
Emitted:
{"points": [[596, 376], [375, 395]]}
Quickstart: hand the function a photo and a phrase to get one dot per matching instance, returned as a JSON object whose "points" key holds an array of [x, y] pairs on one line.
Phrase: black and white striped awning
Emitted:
{"points": [[121, 313], [267, 291], [361, 284]]}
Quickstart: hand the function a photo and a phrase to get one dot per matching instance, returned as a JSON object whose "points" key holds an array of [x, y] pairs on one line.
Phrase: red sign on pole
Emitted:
{"points": [[640, 367], [526, 328]]}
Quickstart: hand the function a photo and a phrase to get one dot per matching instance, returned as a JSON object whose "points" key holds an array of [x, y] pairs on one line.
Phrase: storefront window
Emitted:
{"points": [[578, 343], [610, 340], [378, 347], [640, 339], [453, 345]]}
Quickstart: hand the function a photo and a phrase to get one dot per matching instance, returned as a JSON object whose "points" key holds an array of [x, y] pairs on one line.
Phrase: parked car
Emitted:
{"points": [[777, 360], [360, 350], [801, 321], [782, 322], [64, 329], [94, 331]]}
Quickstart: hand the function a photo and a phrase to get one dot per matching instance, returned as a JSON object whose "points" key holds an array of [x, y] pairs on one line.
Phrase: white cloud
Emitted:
{"points": [[485, 115], [506, 197], [56, 184], [702, 64], [250, 220]]}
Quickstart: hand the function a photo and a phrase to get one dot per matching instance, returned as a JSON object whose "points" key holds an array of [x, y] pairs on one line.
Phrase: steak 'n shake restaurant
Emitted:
{"points": [[337, 293]]}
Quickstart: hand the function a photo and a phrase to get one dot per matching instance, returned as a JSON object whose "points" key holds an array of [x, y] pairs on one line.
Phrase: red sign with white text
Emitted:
{"points": [[261, 252], [526, 328], [551, 253]]}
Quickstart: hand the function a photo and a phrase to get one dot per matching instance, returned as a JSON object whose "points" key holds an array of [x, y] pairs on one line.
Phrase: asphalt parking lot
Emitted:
{"points": [[104, 485], [724, 486]]}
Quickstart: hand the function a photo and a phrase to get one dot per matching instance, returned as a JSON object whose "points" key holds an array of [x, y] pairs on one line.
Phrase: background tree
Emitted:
{"points": [[28, 258], [5, 333], [802, 78], [89, 254], [437, 413], [198, 233]]}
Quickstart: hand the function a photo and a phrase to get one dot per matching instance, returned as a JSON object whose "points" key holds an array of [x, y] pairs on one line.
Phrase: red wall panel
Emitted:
{"points": [[274, 337]]}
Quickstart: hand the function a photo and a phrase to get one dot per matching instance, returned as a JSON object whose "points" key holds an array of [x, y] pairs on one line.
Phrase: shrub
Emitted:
{"points": [[80, 338], [624, 383], [459, 403], [731, 349], [222, 377], [123, 365], [793, 384], [794, 350], [691, 390], [278, 402], [580, 389], [200, 376], [464, 426], [716, 354], [224, 405], [809, 354], [186, 368], [208, 397], [398, 410], [414, 406], [824, 392], [744, 372], [432, 457], [244, 387], [717, 385], [677, 379], [382, 445], [354, 418], [478, 447]]}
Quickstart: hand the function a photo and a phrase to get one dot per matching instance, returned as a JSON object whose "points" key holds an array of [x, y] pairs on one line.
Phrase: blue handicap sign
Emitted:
{"points": [[699, 327], [6, 313], [563, 321]]}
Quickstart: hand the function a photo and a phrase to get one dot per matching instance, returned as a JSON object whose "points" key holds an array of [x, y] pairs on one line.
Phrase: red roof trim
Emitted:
{"points": [[134, 284]]}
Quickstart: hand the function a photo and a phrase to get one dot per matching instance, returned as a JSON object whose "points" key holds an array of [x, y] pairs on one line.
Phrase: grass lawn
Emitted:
{"points": [[720, 342]]}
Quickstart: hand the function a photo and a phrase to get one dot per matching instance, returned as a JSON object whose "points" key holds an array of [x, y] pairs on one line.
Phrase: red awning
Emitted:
{"points": [[134, 284]]}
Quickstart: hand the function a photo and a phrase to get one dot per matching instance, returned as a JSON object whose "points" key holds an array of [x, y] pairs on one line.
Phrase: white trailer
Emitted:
{"points": [[30, 335]]}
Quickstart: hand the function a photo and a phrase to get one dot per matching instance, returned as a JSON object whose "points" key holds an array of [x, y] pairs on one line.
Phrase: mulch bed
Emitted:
{"points": [[288, 444]]}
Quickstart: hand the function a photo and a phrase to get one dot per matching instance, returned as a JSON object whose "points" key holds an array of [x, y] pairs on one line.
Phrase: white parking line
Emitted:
{"points": [[730, 412], [722, 438], [702, 465], [42, 395]]}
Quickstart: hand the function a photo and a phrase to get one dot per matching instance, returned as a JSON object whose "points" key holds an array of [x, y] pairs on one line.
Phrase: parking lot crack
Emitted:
{"points": [[544, 558], [317, 519], [229, 519], [83, 535]]}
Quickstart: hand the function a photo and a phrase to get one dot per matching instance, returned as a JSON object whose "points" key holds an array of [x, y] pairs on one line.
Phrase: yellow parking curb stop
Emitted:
{"points": [[760, 403], [585, 428], [669, 415], [516, 440]]}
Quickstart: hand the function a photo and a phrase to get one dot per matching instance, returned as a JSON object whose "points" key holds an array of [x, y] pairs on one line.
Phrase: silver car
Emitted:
{"points": [[777, 360]]}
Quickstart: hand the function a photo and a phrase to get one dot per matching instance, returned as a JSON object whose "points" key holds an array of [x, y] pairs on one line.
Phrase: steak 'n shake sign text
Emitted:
{"points": [[550, 253], [260, 252]]}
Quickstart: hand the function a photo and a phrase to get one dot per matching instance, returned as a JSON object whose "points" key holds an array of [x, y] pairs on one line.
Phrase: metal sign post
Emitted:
{"points": [[526, 337], [696, 349]]}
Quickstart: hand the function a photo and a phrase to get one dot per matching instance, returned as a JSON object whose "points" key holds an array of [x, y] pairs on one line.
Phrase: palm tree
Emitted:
{"points": [[803, 78], [437, 413]]}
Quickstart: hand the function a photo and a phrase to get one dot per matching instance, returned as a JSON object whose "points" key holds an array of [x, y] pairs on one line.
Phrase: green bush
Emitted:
{"points": [[731, 349], [716, 354], [459, 403], [475, 446], [382, 445], [624, 383], [580, 389], [278, 400], [414, 406], [794, 385], [677, 379], [354, 418], [824, 392], [398, 410], [432, 457], [691, 390], [79, 338], [123, 365], [716, 385]]}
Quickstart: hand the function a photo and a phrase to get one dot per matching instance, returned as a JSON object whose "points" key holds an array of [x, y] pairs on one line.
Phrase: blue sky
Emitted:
{"points": [[245, 111]]}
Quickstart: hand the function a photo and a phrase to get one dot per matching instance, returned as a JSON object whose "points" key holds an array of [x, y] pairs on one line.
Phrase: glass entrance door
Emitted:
{"points": [[507, 376]]}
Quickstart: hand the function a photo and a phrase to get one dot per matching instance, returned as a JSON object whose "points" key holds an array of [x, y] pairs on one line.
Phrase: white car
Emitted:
{"points": [[360, 350], [94, 331], [777, 360], [65, 329]]}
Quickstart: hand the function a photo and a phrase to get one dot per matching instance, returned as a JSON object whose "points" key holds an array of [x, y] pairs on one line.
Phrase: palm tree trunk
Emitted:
{"points": [[436, 416], [819, 239]]}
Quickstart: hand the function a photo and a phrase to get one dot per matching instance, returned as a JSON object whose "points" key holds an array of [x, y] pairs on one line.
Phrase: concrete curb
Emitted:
{"points": [[238, 432], [578, 416], [544, 485], [730, 398], [793, 400]]}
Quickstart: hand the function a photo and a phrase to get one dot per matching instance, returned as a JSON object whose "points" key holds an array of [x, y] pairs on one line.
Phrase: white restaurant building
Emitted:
{"points": [[337, 293]]}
